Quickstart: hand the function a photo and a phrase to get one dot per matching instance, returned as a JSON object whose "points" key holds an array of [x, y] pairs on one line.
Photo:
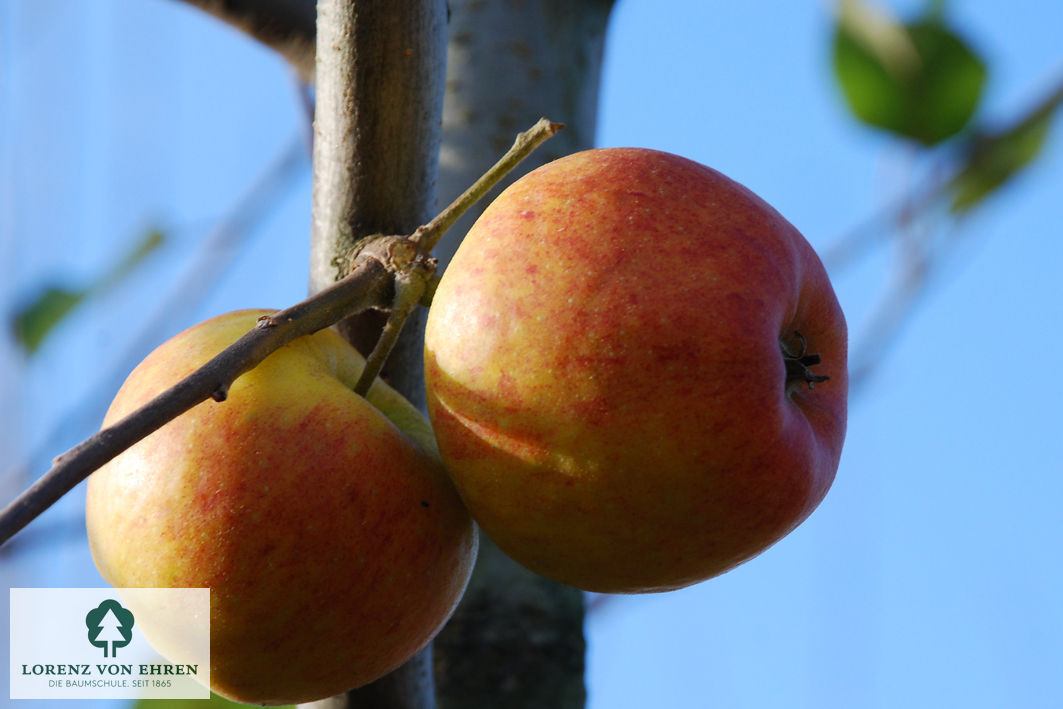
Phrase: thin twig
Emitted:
{"points": [[428, 235], [930, 193], [367, 286], [893, 311]]}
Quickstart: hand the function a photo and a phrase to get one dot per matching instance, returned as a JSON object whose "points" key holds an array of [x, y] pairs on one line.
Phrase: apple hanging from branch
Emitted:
{"points": [[332, 541], [636, 372]]}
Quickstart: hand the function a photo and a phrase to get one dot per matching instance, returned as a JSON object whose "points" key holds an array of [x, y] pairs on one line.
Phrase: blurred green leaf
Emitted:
{"points": [[918, 80], [33, 322], [215, 702], [995, 159]]}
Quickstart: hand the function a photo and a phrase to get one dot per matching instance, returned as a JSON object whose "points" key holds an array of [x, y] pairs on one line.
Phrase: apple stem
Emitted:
{"points": [[414, 282], [798, 363]]}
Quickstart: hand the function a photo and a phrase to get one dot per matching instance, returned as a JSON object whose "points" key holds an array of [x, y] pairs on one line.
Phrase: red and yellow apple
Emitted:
{"points": [[636, 372], [333, 544]]}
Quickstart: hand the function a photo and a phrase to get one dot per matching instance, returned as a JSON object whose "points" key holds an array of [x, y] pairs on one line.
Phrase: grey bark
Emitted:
{"points": [[381, 71], [516, 640], [380, 76]]}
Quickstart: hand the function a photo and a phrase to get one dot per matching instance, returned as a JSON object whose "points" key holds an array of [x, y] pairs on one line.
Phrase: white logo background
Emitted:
{"points": [[52, 657]]}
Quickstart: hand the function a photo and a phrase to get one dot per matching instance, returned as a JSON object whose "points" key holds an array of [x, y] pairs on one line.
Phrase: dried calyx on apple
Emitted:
{"points": [[798, 361], [604, 376]]}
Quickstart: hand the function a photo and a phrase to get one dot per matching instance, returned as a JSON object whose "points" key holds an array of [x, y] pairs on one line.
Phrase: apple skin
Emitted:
{"points": [[606, 379], [334, 545]]}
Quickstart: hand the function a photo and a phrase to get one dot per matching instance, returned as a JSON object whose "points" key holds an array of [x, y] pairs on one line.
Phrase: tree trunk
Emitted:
{"points": [[380, 74], [516, 640]]}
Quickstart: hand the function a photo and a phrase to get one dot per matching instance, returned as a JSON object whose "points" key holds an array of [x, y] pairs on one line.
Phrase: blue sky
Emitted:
{"points": [[929, 577]]}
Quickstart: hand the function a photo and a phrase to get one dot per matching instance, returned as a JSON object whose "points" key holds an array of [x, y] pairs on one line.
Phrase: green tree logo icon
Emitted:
{"points": [[110, 623]]}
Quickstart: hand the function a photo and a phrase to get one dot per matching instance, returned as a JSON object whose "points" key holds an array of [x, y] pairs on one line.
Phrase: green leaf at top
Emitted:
{"points": [[918, 80]]}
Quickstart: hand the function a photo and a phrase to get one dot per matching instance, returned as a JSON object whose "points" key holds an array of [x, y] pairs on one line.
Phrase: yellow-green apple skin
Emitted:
{"points": [[606, 373], [333, 544]]}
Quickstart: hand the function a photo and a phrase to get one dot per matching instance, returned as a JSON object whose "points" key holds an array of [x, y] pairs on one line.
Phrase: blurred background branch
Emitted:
{"points": [[286, 26]]}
